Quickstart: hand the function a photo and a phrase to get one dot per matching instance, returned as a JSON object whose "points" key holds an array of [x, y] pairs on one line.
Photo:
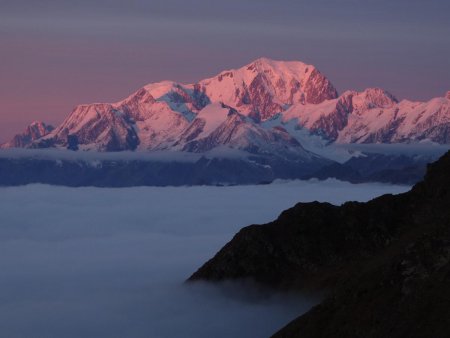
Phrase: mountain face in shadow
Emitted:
{"points": [[384, 265]]}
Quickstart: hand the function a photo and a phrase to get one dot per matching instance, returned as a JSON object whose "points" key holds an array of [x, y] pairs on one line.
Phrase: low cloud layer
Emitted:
{"points": [[89, 262]]}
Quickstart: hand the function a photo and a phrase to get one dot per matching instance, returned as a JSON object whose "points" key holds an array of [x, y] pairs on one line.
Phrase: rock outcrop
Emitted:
{"points": [[384, 265], [33, 132]]}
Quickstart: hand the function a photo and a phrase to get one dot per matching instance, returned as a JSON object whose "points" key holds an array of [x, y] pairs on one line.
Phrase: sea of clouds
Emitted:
{"points": [[92, 262]]}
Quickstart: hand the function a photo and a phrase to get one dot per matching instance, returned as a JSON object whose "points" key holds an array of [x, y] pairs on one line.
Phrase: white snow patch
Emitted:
{"points": [[213, 115]]}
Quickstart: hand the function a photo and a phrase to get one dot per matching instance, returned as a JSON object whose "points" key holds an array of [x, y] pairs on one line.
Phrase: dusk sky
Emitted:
{"points": [[57, 54]]}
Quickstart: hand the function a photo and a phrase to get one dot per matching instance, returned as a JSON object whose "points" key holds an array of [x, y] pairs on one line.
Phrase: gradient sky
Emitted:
{"points": [[56, 54]]}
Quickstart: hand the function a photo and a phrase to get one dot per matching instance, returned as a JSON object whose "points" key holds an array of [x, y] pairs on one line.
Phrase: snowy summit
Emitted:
{"points": [[266, 106]]}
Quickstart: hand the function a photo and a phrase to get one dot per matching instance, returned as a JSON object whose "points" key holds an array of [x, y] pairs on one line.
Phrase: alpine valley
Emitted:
{"points": [[267, 120]]}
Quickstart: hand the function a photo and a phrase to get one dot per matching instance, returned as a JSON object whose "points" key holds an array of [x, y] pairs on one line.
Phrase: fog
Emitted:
{"points": [[90, 262]]}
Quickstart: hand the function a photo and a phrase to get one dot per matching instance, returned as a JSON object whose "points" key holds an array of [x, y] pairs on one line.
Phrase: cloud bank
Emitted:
{"points": [[88, 262]]}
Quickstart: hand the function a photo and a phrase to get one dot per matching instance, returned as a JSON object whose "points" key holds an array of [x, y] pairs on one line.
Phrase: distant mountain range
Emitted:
{"points": [[251, 108], [281, 114]]}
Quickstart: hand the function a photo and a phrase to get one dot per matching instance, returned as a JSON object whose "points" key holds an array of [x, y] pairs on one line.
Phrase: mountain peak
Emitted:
{"points": [[378, 97], [264, 63], [297, 70], [37, 123], [266, 87], [158, 89], [34, 131], [38, 128], [159, 115]]}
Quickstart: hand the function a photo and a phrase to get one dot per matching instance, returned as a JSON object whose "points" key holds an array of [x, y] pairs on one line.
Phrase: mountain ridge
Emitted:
{"points": [[383, 266], [156, 116], [33, 132]]}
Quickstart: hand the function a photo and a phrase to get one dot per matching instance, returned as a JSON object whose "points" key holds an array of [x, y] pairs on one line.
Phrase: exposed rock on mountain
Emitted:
{"points": [[33, 132], [374, 116], [166, 115], [219, 125], [276, 107], [392, 122], [265, 87], [100, 123], [385, 264]]}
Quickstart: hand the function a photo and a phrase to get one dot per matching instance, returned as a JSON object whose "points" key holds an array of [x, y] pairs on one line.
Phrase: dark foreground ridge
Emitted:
{"points": [[384, 264]]}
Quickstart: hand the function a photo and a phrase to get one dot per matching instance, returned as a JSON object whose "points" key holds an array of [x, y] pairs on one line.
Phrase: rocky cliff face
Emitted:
{"points": [[374, 116], [381, 119], [100, 124], [219, 125], [33, 132], [160, 115], [385, 264], [265, 87]]}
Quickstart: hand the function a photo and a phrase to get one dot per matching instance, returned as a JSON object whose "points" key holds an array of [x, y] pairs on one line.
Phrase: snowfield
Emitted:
{"points": [[90, 262]]}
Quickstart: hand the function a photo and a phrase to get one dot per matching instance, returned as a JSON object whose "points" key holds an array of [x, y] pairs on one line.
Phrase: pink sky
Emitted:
{"points": [[60, 54]]}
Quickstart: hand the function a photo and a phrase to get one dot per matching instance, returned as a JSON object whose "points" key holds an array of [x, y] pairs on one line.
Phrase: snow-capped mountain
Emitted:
{"points": [[218, 125], [374, 116], [223, 111], [266, 87], [34, 131], [265, 107]]}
